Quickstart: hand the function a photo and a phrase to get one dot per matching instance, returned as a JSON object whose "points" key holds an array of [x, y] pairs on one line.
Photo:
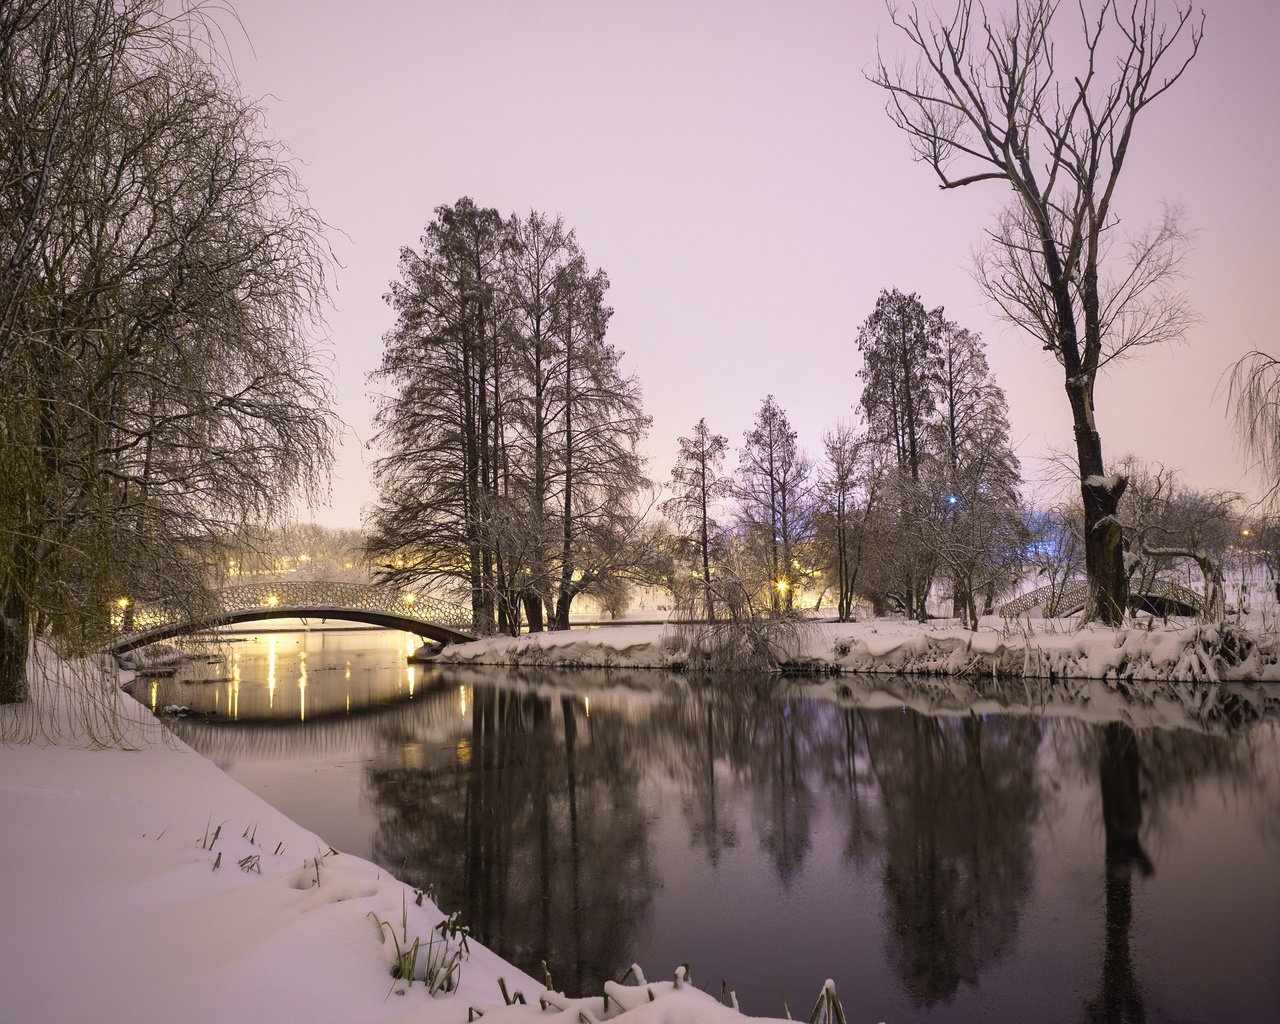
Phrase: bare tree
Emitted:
{"points": [[699, 483], [601, 421], [300, 551], [844, 493], [444, 362], [1053, 549], [772, 491], [985, 101], [1169, 522], [542, 255]]}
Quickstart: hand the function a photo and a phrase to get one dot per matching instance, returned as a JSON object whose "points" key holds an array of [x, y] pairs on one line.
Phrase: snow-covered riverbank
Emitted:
{"points": [[144, 885], [1038, 649]]}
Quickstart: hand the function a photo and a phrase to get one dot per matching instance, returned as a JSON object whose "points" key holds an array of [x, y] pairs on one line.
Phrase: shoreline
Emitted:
{"points": [[1044, 649]]}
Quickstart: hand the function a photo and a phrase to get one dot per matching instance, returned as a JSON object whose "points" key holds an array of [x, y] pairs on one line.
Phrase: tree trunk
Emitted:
{"points": [[563, 603], [16, 620], [842, 561], [14, 640], [1103, 534], [565, 597], [1215, 606], [706, 540], [533, 610]]}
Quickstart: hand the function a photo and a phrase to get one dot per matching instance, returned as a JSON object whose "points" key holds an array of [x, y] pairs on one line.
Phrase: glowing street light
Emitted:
{"points": [[410, 598], [272, 601], [122, 603], [782, 586]]}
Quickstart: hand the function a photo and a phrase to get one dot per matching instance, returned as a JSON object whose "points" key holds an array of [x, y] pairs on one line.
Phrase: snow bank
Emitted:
{"points": [[145, 885], [648, 646], [667, 1002], [1038, 649]]}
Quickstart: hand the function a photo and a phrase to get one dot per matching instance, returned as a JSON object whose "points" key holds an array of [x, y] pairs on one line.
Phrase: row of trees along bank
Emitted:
{"points": [[925, 487], [511, 469], [161, 273]]}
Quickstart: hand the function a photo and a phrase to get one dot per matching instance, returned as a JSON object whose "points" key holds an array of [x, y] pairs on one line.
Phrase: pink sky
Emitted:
{"points": [[734, 173]]}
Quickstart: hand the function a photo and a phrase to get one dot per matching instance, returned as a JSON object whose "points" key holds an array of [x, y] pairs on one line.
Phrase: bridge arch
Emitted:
{"points": [[375, 605]]}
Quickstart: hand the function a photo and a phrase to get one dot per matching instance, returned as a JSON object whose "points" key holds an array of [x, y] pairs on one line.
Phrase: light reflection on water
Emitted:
{"points": [[1017, 866]]}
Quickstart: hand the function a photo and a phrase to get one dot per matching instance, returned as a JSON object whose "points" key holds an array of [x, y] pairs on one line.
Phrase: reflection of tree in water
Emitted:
{"points": [[1264, 798], [865, 830], [1141, 775], [772, 747], [1118, 770], [531, 822], [783, 802], [1172, 767], [958, 799], [532, 826], [695, 735]]}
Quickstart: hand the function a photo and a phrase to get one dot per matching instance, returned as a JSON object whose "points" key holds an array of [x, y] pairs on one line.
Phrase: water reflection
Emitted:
{"points": [[959, 797], [931, 863], [1118, 774], [303, 676], [539, 837]]}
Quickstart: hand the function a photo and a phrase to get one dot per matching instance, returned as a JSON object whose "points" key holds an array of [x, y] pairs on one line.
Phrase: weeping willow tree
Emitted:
{"points": [[161, 280], [1254, 391]]}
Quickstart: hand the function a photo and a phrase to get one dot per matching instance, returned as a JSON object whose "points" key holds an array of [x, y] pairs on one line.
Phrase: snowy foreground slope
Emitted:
{"points": [[120, 905], [1038, 649]]}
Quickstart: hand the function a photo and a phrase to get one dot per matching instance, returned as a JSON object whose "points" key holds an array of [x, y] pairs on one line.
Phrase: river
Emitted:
{"points": [[939, 862]]}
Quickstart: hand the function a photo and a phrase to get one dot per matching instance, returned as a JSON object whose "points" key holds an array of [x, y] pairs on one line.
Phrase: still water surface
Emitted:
{"points": [[1020, 866]]}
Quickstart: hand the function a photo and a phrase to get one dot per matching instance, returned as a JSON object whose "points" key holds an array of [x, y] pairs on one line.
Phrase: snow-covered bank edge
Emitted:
{"points": [[1043, 649], [144, 884]]}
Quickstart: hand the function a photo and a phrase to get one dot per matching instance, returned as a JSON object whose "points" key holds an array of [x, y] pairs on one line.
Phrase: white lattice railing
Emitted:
{"points": [[307, 598], [1072, 595]]}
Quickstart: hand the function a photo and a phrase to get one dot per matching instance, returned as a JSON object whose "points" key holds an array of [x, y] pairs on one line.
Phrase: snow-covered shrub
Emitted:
{"points": [[753, 643]]}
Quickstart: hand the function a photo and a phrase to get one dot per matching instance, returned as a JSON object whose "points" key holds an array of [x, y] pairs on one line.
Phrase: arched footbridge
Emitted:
{"points": [[1158, 597], [393, 608]]}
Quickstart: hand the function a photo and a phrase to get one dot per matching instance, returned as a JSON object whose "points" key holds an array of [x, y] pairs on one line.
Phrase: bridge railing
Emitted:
{"points": [[1065, 598], [280, 598]]}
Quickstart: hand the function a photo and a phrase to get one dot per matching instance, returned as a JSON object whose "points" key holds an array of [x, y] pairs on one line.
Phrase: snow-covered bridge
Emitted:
{"points": [[392, 608], [1159, 597]]}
